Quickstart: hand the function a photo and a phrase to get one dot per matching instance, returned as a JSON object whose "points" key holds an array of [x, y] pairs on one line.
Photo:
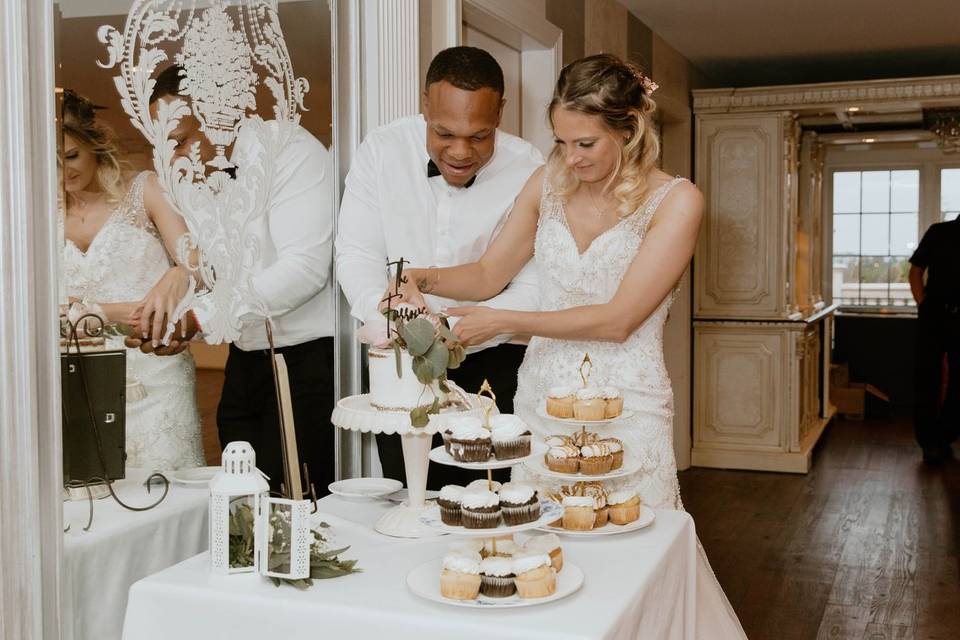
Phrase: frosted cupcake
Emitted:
{"points": [[563, 459], [589, 405], [549, 544], [469, 441], [534, 576], [480, 509], [560, 402], [467, 547], [595, 459], [613, 400], [578, 513], [496, 577], [615, 446], [601, 512], [506, 547], [449, 502], [558, 440], [519, 503], [511, 437], [624, 506], [460, 578], [483, 485]]}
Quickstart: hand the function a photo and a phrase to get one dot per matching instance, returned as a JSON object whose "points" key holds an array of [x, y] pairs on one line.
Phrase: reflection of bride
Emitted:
{"points": [[610, 235], [119, 234]]}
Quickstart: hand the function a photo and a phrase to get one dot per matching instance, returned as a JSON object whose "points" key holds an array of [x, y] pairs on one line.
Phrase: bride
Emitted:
{"points": [[611, 236], [118, 236]]}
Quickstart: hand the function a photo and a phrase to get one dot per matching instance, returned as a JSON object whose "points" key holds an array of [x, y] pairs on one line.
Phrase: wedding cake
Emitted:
{"points": [[389, 392]]}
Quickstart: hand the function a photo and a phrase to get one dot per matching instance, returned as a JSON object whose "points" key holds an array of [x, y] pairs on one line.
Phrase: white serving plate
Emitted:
{"points": [[195, 475], [549, 511], [542, 412], [365, 488], [539, 467], [440, 456], [647, 516], [424, 581]]}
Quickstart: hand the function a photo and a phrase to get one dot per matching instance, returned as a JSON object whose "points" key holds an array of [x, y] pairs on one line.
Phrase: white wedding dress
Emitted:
{"points": [[123, 262], [571, 279]]}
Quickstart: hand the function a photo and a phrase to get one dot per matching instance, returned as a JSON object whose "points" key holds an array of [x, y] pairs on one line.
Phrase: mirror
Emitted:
{"points": [[236, 133]]}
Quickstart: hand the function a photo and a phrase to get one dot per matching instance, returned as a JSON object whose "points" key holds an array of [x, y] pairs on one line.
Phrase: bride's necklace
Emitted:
{"points": [[80, 206], [600, 212]]}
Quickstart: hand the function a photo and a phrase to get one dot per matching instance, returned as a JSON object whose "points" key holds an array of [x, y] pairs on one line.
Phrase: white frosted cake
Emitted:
{"points": [[390, 393]]}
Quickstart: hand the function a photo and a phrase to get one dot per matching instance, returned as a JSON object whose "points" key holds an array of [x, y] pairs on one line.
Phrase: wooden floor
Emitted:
{"points": [[864, 546]]}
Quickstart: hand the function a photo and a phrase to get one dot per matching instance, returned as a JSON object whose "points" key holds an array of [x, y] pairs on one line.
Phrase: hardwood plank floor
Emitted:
{"points": [[864, 546]]}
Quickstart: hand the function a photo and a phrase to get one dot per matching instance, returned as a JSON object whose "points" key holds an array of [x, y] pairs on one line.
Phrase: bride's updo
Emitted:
{"points": [[80, 122], [618, 93]]}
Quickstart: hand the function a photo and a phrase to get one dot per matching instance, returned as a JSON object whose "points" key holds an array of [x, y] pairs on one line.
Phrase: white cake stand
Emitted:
{"points": [[354, 413]]}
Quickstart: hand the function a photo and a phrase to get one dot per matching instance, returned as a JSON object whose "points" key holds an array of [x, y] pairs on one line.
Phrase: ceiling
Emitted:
{"points": [[767, 42]]}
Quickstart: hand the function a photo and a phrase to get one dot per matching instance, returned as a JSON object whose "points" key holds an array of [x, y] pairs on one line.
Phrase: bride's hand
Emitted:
{"points": [[161, 302], [409, 294], [476, 325]]}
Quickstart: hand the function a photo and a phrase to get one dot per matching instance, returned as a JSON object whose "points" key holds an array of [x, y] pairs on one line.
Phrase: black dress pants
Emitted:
{"points": [[248, 408], [938, 335], [497, 364]]}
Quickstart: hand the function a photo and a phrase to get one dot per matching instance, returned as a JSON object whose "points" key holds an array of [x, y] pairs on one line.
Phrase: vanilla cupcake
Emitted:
{"points": [[613, 400], [483, 485], [563, 459], [589, 405], [506, 547], [511, 437], [601, 512], [534, 576], [616, 450], [578, 513], [519, 503], [496, 577], [624, 506], [480, 509], [560, 402], [558, 440], [469, 441], [549, 544], [460, 578], [595, 459], [467, 547], [449, 502]]}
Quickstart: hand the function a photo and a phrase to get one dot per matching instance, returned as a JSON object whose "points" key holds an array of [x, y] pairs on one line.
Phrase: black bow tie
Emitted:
{"points": [[433, 171]]}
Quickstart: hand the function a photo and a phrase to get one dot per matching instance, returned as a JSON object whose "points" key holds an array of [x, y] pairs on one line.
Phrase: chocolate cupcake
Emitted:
{"points": [[469, 441], [480, 509], [449, 502], [519, 503], [496, 577], [511, 437]]}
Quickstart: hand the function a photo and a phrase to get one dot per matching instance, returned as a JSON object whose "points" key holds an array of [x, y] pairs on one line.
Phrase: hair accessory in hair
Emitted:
{"points": [[649, 86]]}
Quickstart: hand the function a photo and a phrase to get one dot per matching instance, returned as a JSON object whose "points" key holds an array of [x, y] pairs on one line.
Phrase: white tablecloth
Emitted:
{"points": [[639, 584], [122, 547]]}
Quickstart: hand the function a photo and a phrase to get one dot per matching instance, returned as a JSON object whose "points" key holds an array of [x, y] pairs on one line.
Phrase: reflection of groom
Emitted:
{"points": [[434, 189]]}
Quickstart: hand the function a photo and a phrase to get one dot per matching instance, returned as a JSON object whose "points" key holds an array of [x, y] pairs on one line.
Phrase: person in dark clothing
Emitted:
{"points": [[937, 417]]}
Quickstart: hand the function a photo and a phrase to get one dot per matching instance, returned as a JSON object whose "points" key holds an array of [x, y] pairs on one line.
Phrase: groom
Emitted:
{"points": [[434, 189]]}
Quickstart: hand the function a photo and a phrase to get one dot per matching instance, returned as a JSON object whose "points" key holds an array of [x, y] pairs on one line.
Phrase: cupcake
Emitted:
{"points": [[614, 402], [578, 513], [595, 459], [519, 503], [469, 441], [616, 450], [467, 547], [549, 544], [601, 512], [460, 578], [560, 402], [589, 405], [558, 440], [480, 509], [483, 485], [563, 459], [511, 437], [496, 577], [506, 547], [449, 501], [624, 506], [534, 576]]}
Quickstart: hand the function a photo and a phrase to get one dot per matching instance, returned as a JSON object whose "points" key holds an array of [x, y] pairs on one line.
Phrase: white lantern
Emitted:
{"points": [[235, 498], [284, 539]]}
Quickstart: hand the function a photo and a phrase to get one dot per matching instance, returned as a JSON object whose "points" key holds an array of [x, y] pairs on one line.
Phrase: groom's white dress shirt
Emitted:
{"points": [[391, 209]]}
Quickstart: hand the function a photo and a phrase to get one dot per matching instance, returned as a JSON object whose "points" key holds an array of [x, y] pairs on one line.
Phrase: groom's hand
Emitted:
{"points": [[476, 325], [184, 331]]}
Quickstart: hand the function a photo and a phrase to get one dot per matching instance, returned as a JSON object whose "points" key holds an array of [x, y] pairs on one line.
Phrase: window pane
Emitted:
{"points": [[846, 234], [875, 234], [876, 191], [846, 192], [900, 295], [846, 280], [874, 280], [905, 191], [903, 233], [949, 193]]}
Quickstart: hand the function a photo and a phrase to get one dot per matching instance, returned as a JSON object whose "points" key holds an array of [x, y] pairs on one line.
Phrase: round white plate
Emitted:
{"points": [[539, 467], [424, 581], [195, 475], [542, 412], [647, 516], [364, 487], [440, 456], [549, 511]]}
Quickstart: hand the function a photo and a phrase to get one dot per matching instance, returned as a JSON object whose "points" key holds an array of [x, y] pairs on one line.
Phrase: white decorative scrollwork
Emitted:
{"points": [[226, 49]]}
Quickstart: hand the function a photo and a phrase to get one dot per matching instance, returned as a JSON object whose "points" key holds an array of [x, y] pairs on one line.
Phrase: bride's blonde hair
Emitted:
{"points": [[618, 93], [80, 122]]}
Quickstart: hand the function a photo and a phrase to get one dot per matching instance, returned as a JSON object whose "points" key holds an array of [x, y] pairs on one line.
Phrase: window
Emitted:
{"points": [[876, 220], [949, 194]]}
